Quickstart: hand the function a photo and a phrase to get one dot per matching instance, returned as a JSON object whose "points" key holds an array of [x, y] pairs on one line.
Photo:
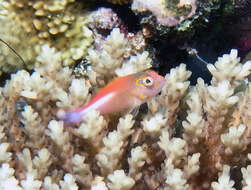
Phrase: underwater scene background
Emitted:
{"points": [[195, 134]]}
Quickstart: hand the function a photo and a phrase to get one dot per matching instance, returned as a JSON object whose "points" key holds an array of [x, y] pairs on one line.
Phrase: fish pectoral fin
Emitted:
{"points": [[134, 111]]}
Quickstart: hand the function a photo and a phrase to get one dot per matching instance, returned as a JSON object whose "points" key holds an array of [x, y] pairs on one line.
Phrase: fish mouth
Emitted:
{"points": [[159, 80], [162, 81], [161, 85]]}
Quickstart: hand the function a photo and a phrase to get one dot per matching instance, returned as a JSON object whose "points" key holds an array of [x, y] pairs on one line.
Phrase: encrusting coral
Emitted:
{"points": [[189, 138], [167, 13], [28, 24]]}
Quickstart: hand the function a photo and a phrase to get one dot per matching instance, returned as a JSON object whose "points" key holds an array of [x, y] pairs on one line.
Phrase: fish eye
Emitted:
{"points": [[148, 81]]}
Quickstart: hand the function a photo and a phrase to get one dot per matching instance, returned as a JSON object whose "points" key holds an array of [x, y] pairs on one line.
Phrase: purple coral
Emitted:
{"points": [[165, 12], [103, 20], [106, 19]]}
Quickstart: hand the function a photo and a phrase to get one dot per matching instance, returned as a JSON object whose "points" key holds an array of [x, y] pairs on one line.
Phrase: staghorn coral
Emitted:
{"points": [[62, 24], [115, 50], [224, 180], [189, 138], [246, 172], [116, 57]]}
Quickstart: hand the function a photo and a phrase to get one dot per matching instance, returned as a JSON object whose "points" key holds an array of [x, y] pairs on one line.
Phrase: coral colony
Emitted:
{"points": [[188, 137], [30, 24]]}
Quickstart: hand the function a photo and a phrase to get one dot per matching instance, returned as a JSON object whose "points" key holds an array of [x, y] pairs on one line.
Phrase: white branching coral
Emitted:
{"points": [[2, 134], [246, 172], [91, 127], [111, 56], [176, 156], [115, 44], [68, 183], [48, 55], [175, 178], [193, 127], [62, 139], [53, 71], [174, 151], [36, 87], [47, 83], [42, 162], [108, 157], [35, 168], [224, 181], [228, 67], [243, 112], [30, 183], [187, 131], [98, 184], [135, 64], [175, 148], [78, 94], [234, 139], [16, 84], [119, 181], [192, 165], [26, 161], [48, 185], [137, 160], [5, 156], [81, 171], [154, 124], [218, 99], [7, 178], [33, 127], [176, 83], [57, 134], [194, 123], [222, 95], [174, 90], [114, 57]]}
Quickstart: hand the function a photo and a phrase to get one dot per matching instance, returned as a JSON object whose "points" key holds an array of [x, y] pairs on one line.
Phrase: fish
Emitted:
{"points": [[123, 93]]}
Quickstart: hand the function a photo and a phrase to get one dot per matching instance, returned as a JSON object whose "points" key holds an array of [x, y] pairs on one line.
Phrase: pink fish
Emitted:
{"points": [[123, 93]]}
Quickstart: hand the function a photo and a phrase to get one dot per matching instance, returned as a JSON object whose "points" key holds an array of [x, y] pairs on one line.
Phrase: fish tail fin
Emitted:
{"points": [[69, 117]]}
